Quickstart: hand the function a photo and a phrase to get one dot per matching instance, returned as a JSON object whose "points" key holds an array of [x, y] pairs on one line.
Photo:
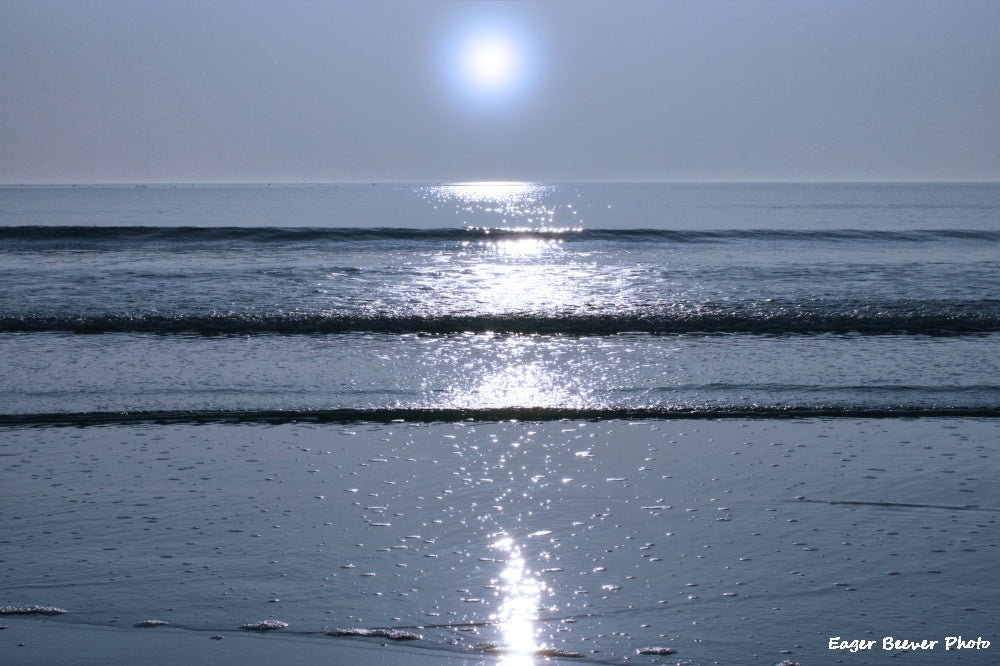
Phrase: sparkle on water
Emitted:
{"points": [[517, 384], [508, 206], [519, 200], [523, 271], [521, 594]]}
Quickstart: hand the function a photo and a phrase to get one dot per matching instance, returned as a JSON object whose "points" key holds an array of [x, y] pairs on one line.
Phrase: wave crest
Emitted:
{"points": [[751, 318]]}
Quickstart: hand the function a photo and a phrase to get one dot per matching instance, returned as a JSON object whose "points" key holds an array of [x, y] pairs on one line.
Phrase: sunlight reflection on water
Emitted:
{"points": [[490, 192], [525, 272], [514, 385], [523, 288], [517, 262], [509, 205], [521, 595], [524, 248], [512, 371]]}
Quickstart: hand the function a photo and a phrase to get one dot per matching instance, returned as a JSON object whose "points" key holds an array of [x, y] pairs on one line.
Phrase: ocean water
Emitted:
{"points": [[523, 422]]}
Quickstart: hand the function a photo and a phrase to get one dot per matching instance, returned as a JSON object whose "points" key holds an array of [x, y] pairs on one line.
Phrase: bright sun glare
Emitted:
{"points": [[490, 62]]}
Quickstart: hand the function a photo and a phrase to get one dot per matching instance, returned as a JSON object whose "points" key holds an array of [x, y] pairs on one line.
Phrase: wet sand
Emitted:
{"points": [[730, 541]]}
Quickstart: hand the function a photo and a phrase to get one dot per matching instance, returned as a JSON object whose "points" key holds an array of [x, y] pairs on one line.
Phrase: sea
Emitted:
{"points": [[504, 422]]}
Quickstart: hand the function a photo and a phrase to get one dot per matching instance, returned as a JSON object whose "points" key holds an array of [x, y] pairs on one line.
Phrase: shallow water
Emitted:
{"points": [[726, 540], [302, 374]]}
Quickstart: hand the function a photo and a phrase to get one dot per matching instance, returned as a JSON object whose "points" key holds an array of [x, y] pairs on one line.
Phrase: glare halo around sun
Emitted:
{"points": [[489, 60]]}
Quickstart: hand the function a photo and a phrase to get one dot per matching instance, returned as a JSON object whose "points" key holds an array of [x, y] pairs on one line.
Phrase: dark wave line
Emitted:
{"points": [[957, 321], [798, 389], [454, 415], [115, 237], [899, 505]]}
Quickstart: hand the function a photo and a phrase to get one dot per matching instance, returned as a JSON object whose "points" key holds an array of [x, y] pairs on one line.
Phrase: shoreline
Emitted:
{"points": [[43, 642]]}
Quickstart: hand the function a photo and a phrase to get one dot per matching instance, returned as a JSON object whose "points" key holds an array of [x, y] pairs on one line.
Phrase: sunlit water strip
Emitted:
{"points": [[521, 596]]}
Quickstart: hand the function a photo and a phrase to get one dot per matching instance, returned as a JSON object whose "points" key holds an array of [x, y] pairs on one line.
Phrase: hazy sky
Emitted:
{"points": [[376, 90]]}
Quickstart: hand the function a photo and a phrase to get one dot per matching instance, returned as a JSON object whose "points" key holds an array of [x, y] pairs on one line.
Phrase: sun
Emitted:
{"points": [[490, 61]]}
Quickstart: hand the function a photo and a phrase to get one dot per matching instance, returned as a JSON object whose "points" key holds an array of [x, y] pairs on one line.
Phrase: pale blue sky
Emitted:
{"points": [[237, 90]]}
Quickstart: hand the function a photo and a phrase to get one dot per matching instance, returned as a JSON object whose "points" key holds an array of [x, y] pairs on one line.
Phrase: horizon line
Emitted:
{"points": [[571, 181]]}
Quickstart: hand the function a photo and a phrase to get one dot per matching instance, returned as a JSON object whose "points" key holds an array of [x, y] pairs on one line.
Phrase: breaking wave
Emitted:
{"points": [[455, 415], [111, 238], [751, 318]]}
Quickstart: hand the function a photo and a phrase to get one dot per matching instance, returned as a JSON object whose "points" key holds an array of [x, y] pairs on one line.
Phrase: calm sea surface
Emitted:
{"points": [[378, 405]]}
